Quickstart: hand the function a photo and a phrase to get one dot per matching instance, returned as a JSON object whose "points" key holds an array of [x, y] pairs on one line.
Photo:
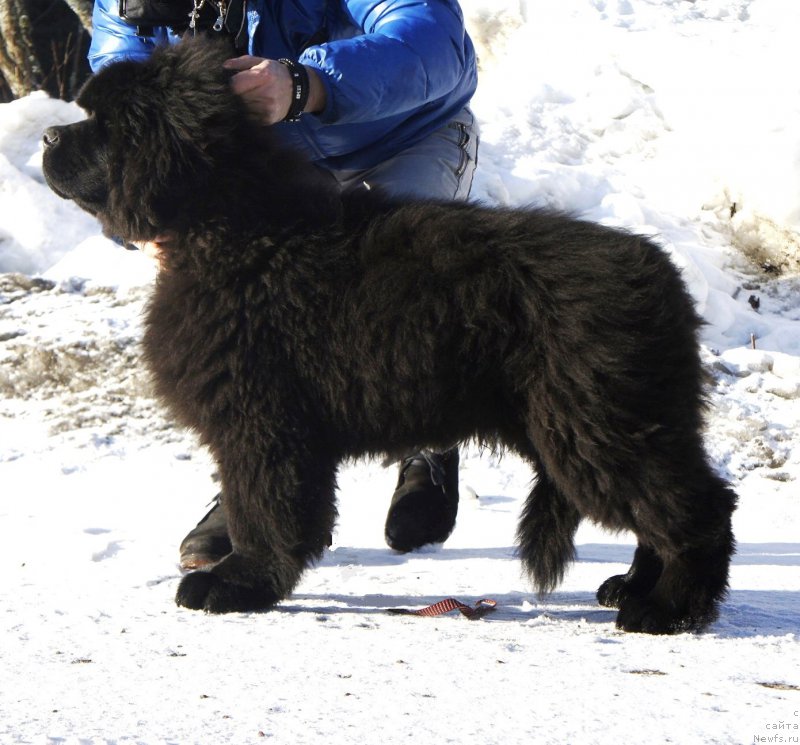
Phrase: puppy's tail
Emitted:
{"points": [[546, 535]]}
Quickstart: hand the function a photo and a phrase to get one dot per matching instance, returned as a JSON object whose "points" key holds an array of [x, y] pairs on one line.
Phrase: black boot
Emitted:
{"points": [[425, 503], [208, 543]]}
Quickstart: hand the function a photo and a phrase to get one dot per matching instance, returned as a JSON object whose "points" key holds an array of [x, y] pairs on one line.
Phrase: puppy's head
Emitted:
{"points": [[153, 138]]}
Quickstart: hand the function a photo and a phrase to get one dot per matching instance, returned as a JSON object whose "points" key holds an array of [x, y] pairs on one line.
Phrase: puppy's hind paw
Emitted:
{"points": [[613, 591], [649, 617]]}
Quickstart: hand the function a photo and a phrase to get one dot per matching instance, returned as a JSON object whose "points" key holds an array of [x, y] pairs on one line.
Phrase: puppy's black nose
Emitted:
{"points": [[51, 136]]}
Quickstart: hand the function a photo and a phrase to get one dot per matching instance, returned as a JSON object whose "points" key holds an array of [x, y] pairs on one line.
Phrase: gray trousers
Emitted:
{"points": [[441, 166]]}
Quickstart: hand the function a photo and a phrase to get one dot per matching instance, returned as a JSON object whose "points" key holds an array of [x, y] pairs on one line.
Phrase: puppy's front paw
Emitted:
{"points": [[211, 593], [194, 589]]}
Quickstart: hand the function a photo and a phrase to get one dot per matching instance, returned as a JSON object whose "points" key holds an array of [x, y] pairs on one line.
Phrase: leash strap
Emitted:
{"points": [[472, 612]]}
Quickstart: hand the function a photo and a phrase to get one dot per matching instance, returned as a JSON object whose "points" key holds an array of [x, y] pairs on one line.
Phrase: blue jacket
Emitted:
{"points": [[394, 70]]}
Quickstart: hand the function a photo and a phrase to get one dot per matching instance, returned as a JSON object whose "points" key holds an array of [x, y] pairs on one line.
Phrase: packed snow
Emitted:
{"points": [[672, 118]]}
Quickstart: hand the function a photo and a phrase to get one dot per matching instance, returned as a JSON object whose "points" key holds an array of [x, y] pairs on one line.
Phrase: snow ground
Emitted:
{"points": [[673, 118]]}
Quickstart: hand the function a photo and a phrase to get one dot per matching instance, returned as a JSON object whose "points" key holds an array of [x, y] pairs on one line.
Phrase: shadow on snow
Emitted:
{"points": [[746, 613]]}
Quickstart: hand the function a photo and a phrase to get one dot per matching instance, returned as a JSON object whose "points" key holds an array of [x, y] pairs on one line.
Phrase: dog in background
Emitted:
{"points": [[294, 327]]}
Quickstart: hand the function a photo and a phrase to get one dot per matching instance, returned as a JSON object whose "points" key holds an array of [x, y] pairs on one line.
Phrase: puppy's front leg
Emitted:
{"points": [[280, 510]]}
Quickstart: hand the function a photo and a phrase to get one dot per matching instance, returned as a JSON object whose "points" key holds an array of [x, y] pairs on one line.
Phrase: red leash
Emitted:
{"points": [[472, 612]]}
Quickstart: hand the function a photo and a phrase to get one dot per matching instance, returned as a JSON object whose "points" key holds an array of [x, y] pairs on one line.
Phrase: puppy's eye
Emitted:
{"points": [[100, 122]]}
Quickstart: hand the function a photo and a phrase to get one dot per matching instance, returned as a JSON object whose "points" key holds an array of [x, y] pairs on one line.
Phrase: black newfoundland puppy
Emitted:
{"points": [[294, 328]]}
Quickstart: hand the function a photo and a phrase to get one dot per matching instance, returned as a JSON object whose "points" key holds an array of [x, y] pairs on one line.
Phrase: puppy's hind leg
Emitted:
{"points": [[694, 542], [546, 534], [280, 510]]}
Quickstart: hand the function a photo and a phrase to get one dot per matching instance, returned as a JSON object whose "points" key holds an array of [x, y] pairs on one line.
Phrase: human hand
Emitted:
{"points": [[266, 87]]}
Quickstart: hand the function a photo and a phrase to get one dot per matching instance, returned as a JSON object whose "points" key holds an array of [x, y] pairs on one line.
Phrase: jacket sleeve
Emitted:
{"points": [[412, 52], [113, 39]]}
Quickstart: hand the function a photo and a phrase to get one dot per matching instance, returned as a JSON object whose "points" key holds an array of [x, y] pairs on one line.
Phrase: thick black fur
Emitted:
{"points": [[294, 328]]}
